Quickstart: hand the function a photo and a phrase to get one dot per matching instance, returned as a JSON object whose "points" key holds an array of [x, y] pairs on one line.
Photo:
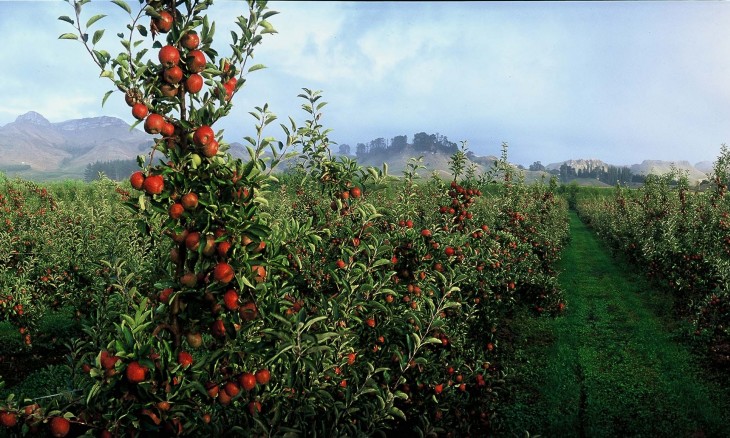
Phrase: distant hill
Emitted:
{"points": [[579, 164], [658, 167], [433, 161], [67, 147], [35, 148]]}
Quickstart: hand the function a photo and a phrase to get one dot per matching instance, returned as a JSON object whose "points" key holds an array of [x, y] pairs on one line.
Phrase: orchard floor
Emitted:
{"points": [[615, 364]]}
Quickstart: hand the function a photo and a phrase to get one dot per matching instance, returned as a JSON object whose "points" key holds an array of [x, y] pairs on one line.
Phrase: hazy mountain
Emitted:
{"points": [[704, 166], [65, 148], [433, 161], [579, 164], [31, 139], [658, 167]]}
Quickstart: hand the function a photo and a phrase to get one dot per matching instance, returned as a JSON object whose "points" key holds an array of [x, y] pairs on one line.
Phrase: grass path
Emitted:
{"points": [[611, 366]]}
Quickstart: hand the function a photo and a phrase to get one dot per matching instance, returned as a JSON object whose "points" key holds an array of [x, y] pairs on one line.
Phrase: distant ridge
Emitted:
{"points": [[69, 145]]}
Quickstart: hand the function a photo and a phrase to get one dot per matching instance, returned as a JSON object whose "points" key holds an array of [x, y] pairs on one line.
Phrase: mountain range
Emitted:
{"points": [[64, 149], [70, 145]]}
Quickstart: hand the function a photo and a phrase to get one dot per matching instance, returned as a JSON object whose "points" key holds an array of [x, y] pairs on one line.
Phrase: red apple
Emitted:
{"points": [[169, 56], [137, 180], [210, 149], [139, 111], [154, 124], [189, 201], [230, 299], [190, 40], [195, 61], [173, 75], [176, 210], [163, 23], [135, 372], [218, 328], [192, 241], [185, 359], [223, 273], [263, 376], [247, 381], [203, 135], [59, 427], [168, 130], [194, 83], [154, 184]]}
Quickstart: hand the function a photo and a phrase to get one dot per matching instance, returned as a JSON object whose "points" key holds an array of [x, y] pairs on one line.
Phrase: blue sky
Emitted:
{"points": [[617, 81]]}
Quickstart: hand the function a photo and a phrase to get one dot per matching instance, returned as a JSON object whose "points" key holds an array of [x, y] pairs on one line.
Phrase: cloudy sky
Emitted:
{"points": [[617, 81]]}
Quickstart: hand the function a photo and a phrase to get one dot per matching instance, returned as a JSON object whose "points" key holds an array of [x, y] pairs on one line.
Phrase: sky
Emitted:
{"points": [[616, 81]]}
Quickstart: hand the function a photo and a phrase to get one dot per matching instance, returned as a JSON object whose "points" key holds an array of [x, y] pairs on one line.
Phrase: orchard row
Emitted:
{"points": [[681, 238]]}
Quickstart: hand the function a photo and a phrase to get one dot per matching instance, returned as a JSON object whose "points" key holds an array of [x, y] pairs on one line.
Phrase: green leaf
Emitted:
{"points": [[122, 4], [106, 96], [397, 412], [107, 74], [94, 19], [97, 36], [68, 36], [256, 67], [66, 19]]}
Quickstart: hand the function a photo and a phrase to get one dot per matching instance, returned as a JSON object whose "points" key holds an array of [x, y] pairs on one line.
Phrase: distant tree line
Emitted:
{"points": [[422, 143], [611, 175], [117, 170]]}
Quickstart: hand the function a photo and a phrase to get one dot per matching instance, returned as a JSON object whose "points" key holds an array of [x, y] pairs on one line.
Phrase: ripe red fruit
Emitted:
{"points": [[192, 241], [351, 358], [165, 295], [190, 40], [248, 311], [108, 361], [247, 381], [355, 192], [449, 251], [203, 136], [169, 56], [168, 129], [139, 111], [340, 264], [212, 388], [409, 223], [370, 322], [135, 372], [59, 427], [254, 407], [173, 75], [189, 280], [163, 23], [185, 359], [218, 328], [232, 389], [230, 87], [223, 273], [263, 376], [230, 299], [168, 90], [194, 83], [259, 273], [154, 184], [196, 61], [439, 388], [210, 149], [223, 248], [426, 233], [137, 180], [8, 419], [189, 201], [154, 124], [176, 210]]}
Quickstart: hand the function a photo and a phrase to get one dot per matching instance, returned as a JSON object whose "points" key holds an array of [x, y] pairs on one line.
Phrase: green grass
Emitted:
{"points": [[612, 365]]}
